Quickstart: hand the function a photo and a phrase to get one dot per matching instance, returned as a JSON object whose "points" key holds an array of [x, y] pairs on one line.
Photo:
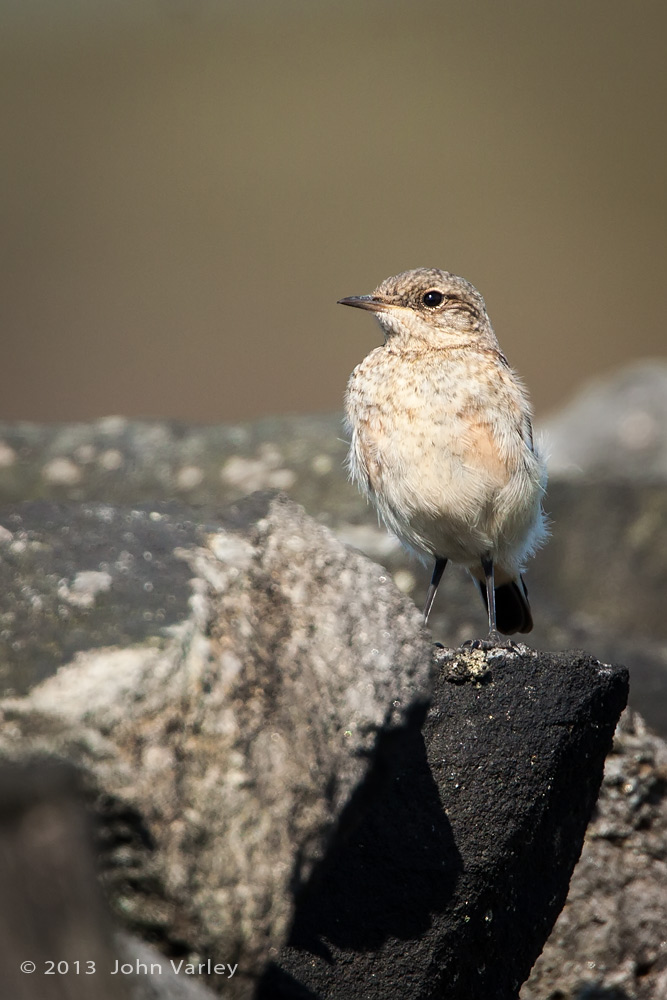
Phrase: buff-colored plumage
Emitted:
{"points": [[441, 438]]}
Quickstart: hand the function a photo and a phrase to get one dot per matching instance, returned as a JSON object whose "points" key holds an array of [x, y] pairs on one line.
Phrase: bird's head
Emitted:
{"points": [[429, 305]]}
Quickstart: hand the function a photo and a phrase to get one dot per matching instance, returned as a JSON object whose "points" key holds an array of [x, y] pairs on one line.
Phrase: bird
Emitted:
{"points": [[441, 440]]}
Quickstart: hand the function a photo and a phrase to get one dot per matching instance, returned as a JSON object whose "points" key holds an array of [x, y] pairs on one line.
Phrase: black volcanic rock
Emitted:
{"points": [[454, 874]]}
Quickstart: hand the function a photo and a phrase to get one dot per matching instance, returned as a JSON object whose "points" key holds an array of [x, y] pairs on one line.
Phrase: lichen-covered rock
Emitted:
{"points": [[220, 746], [244, 700], [597, 584], [609, 941]]}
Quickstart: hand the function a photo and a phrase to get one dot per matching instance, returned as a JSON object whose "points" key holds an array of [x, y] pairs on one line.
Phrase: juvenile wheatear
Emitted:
{"points": [[442, 441]]}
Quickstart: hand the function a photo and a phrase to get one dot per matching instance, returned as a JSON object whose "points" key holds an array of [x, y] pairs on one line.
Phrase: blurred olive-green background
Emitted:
{"points": [[187, 186]]}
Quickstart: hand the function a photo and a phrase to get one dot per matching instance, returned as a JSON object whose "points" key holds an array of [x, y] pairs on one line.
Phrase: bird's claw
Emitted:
{"points": [[494, 640]]}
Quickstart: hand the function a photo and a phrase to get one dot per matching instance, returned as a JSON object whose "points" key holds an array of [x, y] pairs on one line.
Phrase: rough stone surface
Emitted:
{"points": [[221, 749], [121, 461], [449, 884], [75, 577], [606, 563], [598, 584], [615, 427], [259, 748], [155, 978], [609, 942]]}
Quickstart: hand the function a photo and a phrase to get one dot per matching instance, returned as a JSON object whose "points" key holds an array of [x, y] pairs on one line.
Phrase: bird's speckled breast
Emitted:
{"points": [[437, 439]]}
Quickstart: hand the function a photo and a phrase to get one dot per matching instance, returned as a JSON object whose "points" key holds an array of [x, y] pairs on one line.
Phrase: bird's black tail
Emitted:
{"points": [[512, 607]]}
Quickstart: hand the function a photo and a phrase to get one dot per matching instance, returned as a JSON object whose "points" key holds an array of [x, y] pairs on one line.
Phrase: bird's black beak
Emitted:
{"points": [[363, 302]]}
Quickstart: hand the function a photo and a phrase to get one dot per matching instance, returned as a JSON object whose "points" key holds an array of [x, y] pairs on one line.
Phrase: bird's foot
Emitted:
{"points": [[493, 641]]}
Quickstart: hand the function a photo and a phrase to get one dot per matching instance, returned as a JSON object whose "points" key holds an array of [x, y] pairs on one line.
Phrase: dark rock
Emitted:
{"points": [[606, 562], [82, 576], [451, 881], [609, 941], [600, 582], [52, 914]]}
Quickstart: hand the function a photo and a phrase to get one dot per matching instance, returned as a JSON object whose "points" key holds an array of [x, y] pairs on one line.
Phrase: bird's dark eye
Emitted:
{"points": [[433, 299]]}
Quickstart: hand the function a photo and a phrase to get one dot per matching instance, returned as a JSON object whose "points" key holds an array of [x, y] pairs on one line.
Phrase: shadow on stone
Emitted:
{"points": [[387, 871]]}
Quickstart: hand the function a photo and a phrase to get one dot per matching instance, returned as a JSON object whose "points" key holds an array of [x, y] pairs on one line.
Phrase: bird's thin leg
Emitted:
{"points": [[438, 570], [487, 566]]}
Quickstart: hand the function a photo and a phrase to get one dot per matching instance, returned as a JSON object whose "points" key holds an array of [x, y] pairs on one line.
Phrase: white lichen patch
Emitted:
{"points": [[261, 473], [189, 477], [61, 471], [112, 426], [231, 549], [475, 660], [638, 430], [7, 455], [84, 588], [322, 465], [405, 581], [100, 681], [85, 453], [111, 459], [374, 542]]}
